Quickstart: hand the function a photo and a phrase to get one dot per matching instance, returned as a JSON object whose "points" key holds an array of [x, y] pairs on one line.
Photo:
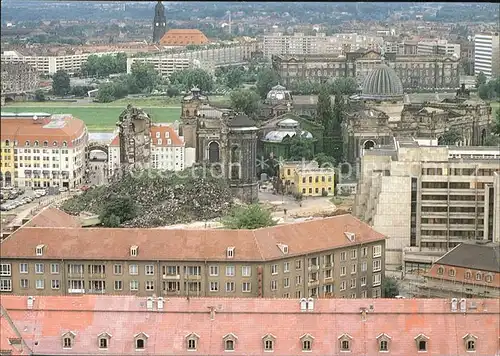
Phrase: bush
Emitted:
{"points": [[298, 196], [117, 210], [248, 217], [324, 193]]}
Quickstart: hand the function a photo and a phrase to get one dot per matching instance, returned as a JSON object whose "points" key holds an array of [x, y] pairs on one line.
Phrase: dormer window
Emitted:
{"points": [[283, 248], [470, 342], [230, 252], [489, 278], [39, 250], [468, 275], [440, 271], [478, 276], [103, 340], [268, 342], [229, 341], [451, 272], [134, 250], [422, 342], [68, 340], [350, 236], [192, 341], [345, 342], [306, 341], [140, 341], [383, 342]]}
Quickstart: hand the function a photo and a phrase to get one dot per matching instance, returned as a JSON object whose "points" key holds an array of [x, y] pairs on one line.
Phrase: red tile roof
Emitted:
{"points": [[251, 319], [44, 129], [168, 244], [53, 217], [175, 139], [7, 334], [183, 37]]}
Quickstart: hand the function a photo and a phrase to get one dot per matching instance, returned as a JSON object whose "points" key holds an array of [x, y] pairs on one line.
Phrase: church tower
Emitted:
{"points": [[159, 23]]}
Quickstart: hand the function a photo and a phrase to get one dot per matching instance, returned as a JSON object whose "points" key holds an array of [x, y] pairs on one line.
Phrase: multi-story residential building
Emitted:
{"points": [[71, 63], [216, 326], [300, 44], [466, 271], [438, 47], [168, 150], [314, 181], [415, 71], [166, 65], [334, 257], [429, 199], [487, 55], [18, 78], [42, 150]]}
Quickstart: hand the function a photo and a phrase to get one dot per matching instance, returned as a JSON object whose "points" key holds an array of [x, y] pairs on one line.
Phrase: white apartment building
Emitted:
{"points": [[70, 63], [438, 47], [165, 65], [42, 150], [300, 44], [428, 199], [487, 55], [168, 150]]}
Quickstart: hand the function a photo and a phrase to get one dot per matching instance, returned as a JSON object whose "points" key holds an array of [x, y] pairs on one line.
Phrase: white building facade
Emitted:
{"points": [[487, 55]]}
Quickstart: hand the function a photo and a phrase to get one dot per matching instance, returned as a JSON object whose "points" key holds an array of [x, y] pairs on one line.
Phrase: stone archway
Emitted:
{"points": [[369, 145], [213, 152]]}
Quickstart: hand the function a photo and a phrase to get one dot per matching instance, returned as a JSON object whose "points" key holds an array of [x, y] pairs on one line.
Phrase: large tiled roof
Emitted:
{"points": [[53, 217], [473, 256], [165, 244], [123, 317], [183, 37]]}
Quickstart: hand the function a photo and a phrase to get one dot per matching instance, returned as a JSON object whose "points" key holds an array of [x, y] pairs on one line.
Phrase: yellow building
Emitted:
{"points": [[288, 170], [314, 182], [6, 163]]}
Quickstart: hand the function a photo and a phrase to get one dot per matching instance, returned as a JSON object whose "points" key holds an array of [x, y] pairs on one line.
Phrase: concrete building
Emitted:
{"points": [[18, 78], [337, 257], [466, 271], [428, 199], [42, 150], [129, 325], [300, 44], [438, 47], [415, 71], [71, 63], [166, 65], [487, 55]]}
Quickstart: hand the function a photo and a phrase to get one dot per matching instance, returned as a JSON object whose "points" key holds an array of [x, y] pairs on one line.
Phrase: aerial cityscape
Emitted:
{"points": [[203, 178]]}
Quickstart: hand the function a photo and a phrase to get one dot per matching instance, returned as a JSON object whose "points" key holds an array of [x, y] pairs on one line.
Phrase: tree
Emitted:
{"points": [[103, 66], [300, 148], [106, 93], [234, 78], [189, 78], [324, 112], [450, 137], [39, 95], [266, 79], [467, 66], [344, 86], [324, 160], [117, 210], [60, 83], [481, 79], [390, 288], [248, 217], [145, 77], [496, 128], [246, 101]]}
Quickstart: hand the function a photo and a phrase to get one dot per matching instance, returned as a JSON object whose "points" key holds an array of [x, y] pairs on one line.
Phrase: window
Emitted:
{"points": [[140, 344], [133, 270], [298, 264], [229, 287], [246, 287], [118, 285], [363, 266], [343, 285], [286, 282], [306, 345], [5, 269], [274, 269], [191, 344], [377, 265], [471, 345], [134, 285], [55, 284], [274, 285], [214, 286], [149, 270], [40, 284], [150, 285], [103, 343], [230, 271], [5, 285], [364, 252], [342, 271], [67, 342], [377, 251], [23, 268], [363, 281], [451, 272], [286, 267], [343, 256], [23, 283], [117, 269], [377, 279], [354, 254], [246, 271], [422, 345], [353, 269], [384, 345], [468, 275], [478, 276], [54, 268], [345, 345], [298, 280], [364, 294], [214, 271], [39, 268], [229, 345], [230, 252], [353, 283], [268, 345], [440, 270], [489, 278]]}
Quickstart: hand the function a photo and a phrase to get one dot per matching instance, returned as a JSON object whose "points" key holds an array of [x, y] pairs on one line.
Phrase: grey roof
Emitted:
{"points": [[381, 83], [241, 121], [473, 256]]}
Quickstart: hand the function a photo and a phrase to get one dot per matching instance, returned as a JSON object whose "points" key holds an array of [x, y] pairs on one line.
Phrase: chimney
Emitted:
{"points": [[463, 305], [160, 302], [454, 303], [310, 304], [31, 300], [212, 313], [149, 303], [303, 305]]}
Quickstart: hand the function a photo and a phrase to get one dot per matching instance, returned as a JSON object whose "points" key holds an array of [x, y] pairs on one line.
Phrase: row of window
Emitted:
{"points": [[37, 143], [468, 274], [316, 179], [345, 342]]}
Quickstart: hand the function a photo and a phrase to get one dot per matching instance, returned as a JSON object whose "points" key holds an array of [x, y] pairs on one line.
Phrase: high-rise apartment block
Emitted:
{"points": [[487, 54]]}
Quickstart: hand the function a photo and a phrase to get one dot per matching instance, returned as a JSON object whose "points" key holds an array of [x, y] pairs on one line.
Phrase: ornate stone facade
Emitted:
{"points": [[18, 78], [222, 140]]}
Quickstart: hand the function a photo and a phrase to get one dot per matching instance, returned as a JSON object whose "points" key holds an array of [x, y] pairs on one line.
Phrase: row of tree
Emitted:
{"points": [[103, 66], [488, 90]]}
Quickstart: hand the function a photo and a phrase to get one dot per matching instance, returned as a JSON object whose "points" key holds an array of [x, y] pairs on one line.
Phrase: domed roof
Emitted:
{"points": [[382, 83], [279, 135], [288, 123], [278, 93]]}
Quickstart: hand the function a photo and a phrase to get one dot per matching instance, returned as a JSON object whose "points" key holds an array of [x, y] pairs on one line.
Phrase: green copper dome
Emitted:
{"points": [[382, 83]]}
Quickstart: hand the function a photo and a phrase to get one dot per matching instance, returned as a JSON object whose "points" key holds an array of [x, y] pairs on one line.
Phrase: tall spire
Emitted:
{"points": [[159, 22]]}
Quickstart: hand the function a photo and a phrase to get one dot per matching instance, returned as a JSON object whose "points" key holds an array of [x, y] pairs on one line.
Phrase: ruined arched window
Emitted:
{"points": [[213, 152], [235, 162]]}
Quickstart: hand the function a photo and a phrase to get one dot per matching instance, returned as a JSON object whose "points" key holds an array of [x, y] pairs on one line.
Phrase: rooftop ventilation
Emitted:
{"points": [[283, 248], [351, 236], [134, 251]]}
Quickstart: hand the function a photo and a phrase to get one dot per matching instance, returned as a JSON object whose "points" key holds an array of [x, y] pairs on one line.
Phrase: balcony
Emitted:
{"points": [[192, 277], [76, 275], [328, 265], [313, 283], [313, 268], [171, 292], [76, 291], [97, 275], [96, 291], [172, 276]]}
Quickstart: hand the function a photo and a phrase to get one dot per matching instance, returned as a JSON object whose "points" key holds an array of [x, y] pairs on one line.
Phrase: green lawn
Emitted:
{"points": [[98, 118]]}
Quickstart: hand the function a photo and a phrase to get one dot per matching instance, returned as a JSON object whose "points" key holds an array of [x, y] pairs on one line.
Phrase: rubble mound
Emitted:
{"points": [[161, 198]]}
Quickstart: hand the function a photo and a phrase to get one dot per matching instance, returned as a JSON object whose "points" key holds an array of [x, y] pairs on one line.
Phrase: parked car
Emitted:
{"points": [[63, 189]]}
